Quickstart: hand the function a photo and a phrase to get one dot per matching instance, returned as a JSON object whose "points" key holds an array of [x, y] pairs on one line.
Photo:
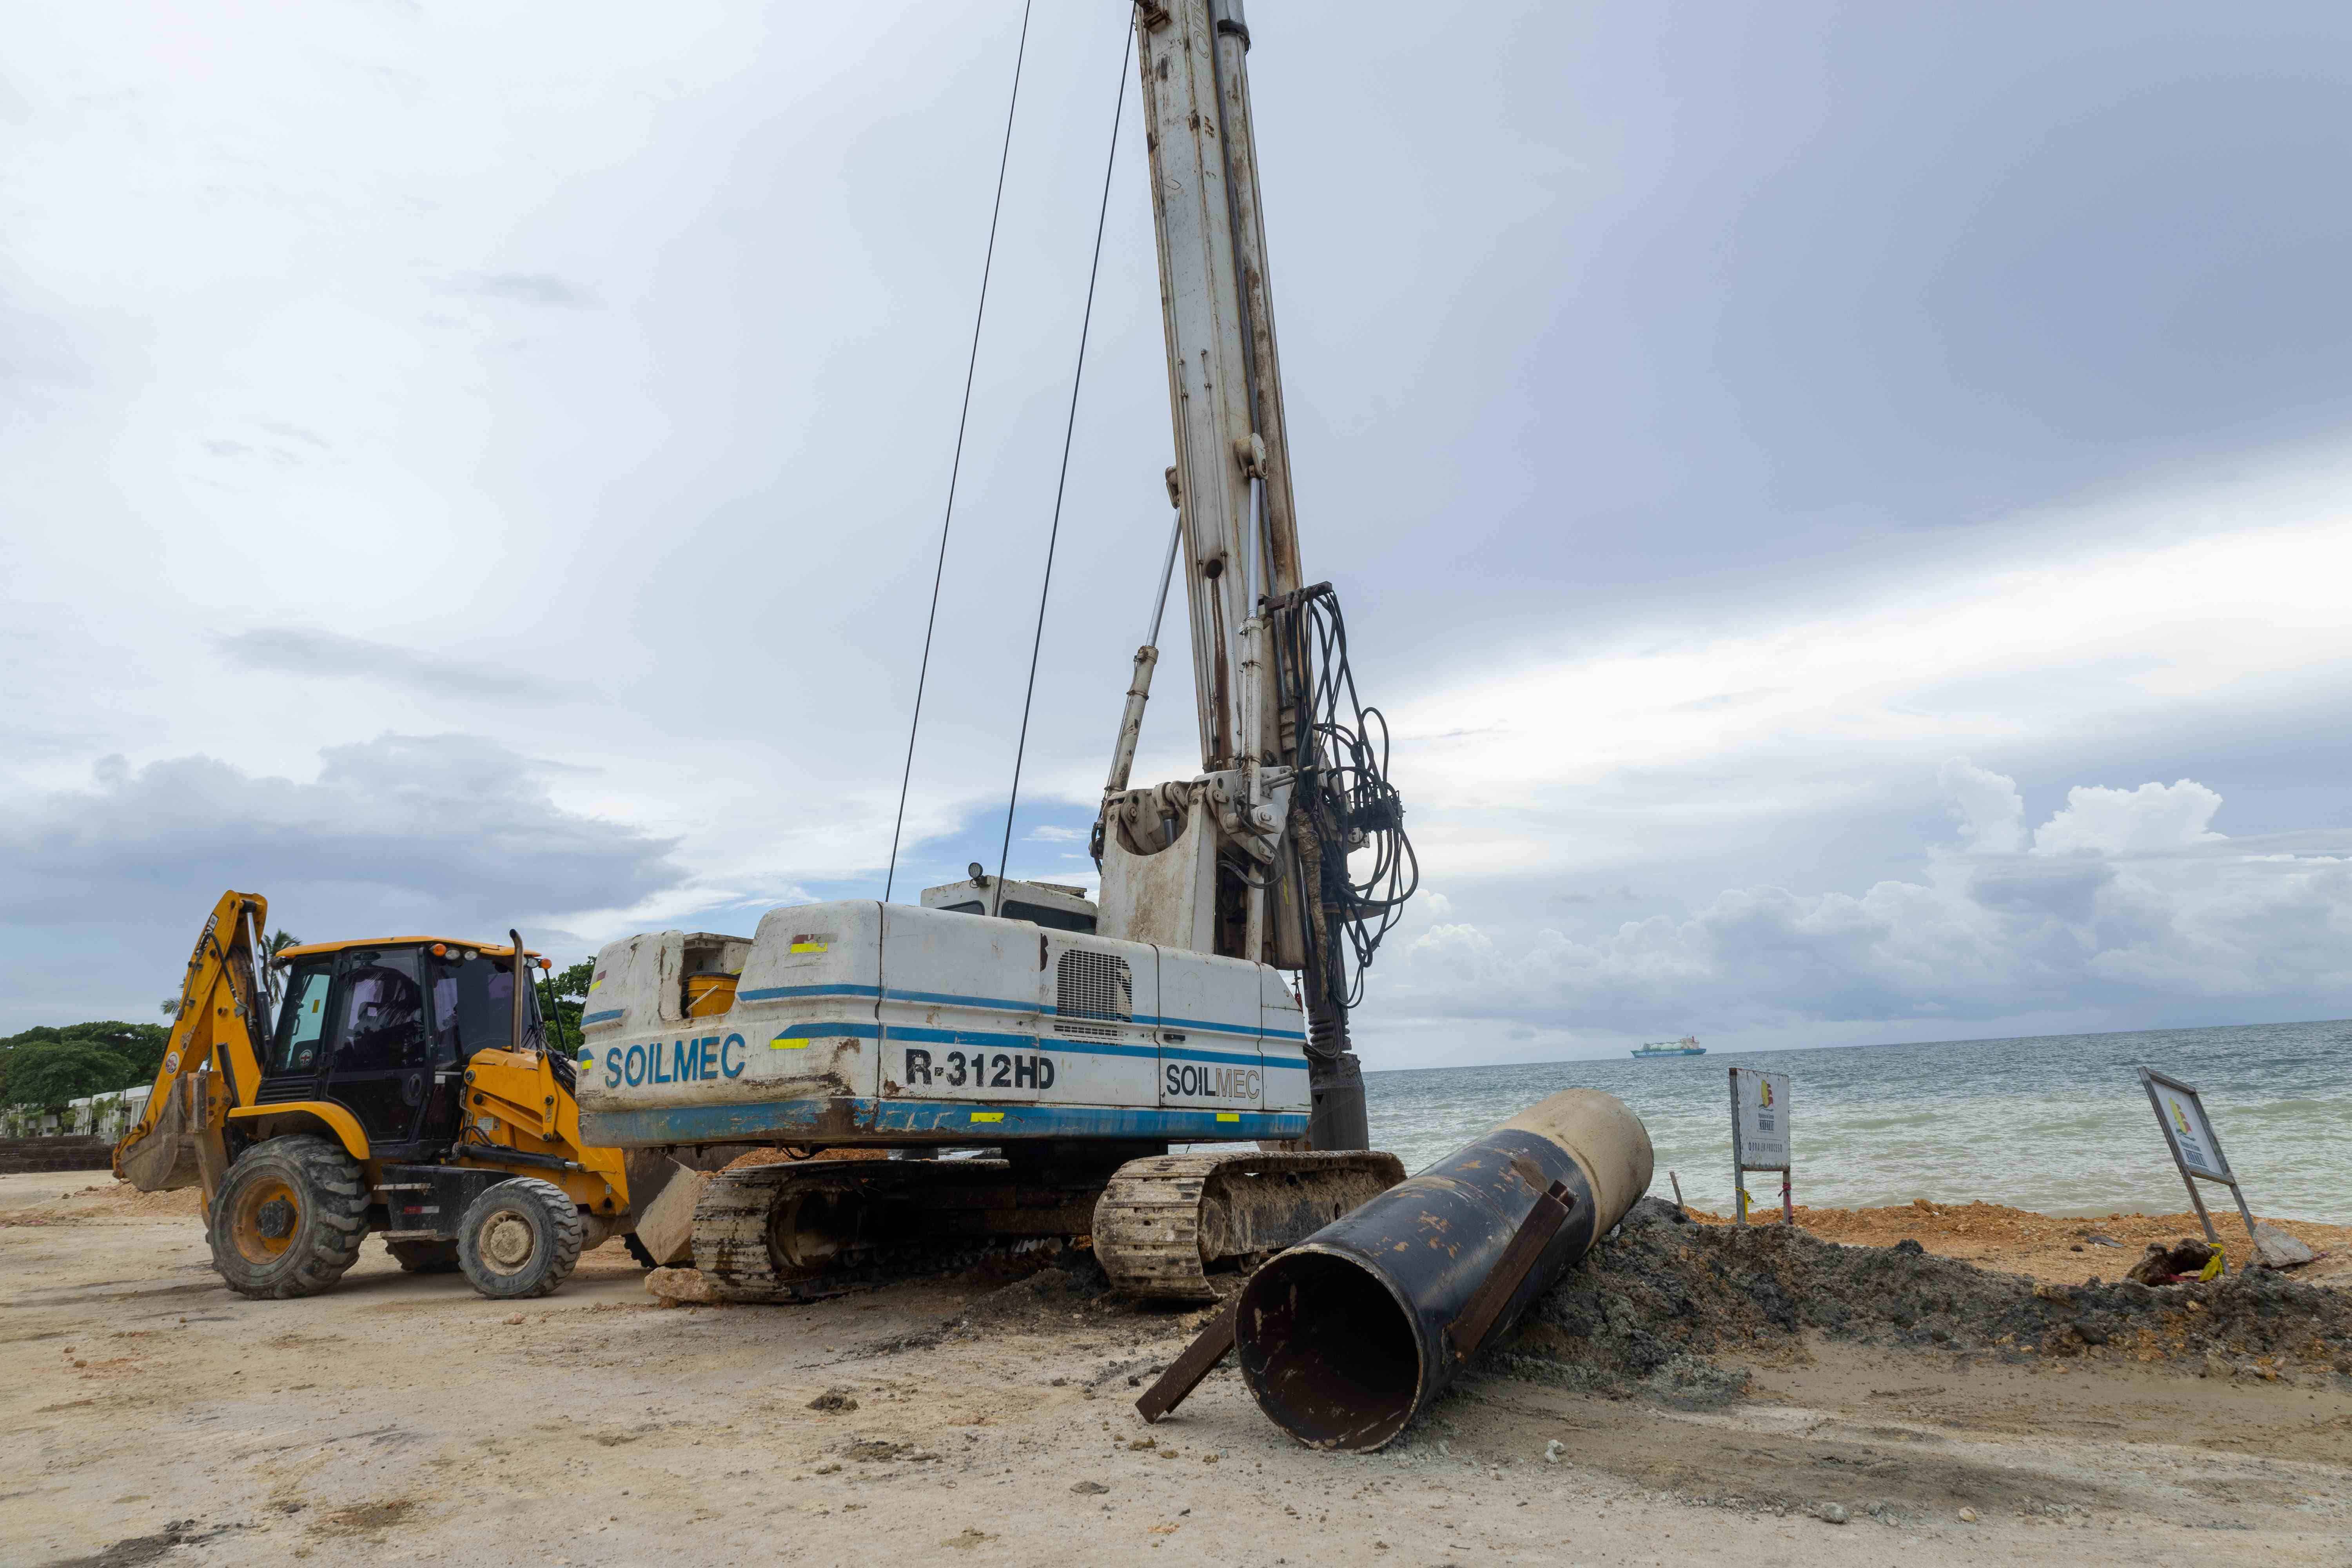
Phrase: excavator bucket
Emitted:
{"points": [[165, 1159]]}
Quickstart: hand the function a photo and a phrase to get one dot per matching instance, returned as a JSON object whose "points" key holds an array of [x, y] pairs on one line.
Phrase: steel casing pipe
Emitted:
{"points": [[1348, 1336]]}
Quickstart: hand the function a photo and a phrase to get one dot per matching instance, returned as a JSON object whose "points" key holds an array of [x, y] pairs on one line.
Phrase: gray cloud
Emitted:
{"points": [[1621, 894], [441, 825], [442, 834], [534, 289], [305, 651]]}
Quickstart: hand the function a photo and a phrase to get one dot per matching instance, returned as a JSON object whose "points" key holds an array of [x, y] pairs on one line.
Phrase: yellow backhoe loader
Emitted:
{"points": [[397, 1086]]}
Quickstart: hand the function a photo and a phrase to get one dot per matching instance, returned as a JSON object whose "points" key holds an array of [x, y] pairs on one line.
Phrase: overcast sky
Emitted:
{"points": [[1849, 508]]}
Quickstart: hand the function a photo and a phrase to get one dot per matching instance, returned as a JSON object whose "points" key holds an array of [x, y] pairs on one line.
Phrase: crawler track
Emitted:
{"points": [[1163, 1224], [806, 1232]]}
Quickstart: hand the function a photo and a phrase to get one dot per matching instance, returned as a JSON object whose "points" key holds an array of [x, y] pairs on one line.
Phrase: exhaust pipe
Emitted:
{"points": [[1348, 1336], [522, 993]]}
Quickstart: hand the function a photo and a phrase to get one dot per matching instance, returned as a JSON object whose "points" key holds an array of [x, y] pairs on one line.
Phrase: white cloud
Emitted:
{"points": [[1991, 812], [2120, 822], [2124, 897]]}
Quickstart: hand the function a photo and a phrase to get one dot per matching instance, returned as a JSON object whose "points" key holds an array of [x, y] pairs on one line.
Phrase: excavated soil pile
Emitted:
{"points": [[1646, 1311]]}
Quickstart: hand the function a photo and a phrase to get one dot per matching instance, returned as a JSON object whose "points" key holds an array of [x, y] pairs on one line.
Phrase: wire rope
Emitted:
{"points": [[1061, 484], [955, 469]]}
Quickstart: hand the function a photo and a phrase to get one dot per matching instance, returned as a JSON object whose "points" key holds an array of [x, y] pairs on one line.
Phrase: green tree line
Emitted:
{"points": [[52, 1063]]}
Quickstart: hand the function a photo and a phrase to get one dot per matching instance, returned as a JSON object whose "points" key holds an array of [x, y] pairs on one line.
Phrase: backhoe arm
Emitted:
{"points": [[211, 1063]]}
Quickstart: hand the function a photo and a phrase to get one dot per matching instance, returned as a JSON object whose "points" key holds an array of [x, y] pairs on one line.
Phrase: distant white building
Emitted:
{"points": [[106, 1116]]}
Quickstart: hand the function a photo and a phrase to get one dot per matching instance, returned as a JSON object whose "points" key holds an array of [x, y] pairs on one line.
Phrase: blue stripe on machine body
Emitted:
{"points": [[862, 1120], [783, 993]]}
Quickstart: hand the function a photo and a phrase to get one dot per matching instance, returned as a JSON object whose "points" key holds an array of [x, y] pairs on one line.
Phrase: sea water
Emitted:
{"points": [[2059, 1124]]}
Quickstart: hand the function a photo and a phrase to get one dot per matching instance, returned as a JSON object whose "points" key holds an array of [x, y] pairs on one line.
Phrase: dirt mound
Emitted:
{"points": [[1645, 1310], [109, 1199]]}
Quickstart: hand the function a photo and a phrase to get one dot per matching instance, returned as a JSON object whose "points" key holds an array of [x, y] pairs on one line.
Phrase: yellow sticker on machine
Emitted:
{"points": [[988, 1116], [812, 942], [789, 1043], [1229, 1116]]}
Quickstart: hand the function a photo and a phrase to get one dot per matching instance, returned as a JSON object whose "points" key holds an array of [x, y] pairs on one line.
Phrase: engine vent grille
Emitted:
{"points": [[1093, 992]]}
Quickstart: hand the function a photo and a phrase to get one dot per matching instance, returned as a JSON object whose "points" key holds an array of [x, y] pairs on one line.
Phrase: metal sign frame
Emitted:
{"points": [[1739, 1165], [2191, 1173]]}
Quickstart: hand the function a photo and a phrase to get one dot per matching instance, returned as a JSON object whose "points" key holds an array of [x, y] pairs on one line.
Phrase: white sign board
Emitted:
{"points": [[1760, 1112], [2185, 1127]]}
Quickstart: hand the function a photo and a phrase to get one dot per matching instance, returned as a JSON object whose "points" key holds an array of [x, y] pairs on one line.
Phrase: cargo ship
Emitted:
{"points": [[1687, 1045]]}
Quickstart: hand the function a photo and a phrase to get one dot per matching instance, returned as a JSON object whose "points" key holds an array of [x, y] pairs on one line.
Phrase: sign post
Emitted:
{"points": [[1760, 1136], [2196, 1148]]}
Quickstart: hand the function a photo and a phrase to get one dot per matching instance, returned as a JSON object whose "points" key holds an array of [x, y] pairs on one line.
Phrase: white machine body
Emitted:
{"points": [[861, 1022]]}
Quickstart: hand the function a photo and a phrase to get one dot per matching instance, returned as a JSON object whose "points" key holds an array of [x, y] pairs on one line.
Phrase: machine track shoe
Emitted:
{"points": [[805, 1231], [1166, 1224]]}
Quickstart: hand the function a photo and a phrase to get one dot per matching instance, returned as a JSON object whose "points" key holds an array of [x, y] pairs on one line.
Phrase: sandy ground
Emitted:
{"points": [[2049, 1247], [151, 1416]]}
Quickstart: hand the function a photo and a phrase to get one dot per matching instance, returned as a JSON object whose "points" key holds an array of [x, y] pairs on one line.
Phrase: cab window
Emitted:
{"points": [[473, 1006], [302, 1017], [382, 1011]]}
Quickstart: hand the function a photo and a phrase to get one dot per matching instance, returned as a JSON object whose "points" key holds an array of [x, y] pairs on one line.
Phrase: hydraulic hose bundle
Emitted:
{"points": [[1348, 806]]}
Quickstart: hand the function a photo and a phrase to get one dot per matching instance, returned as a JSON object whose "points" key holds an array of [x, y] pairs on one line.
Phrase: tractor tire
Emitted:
{"points": [[289, 1218], [639, 1251], [419, 1257], [519, 1239]]}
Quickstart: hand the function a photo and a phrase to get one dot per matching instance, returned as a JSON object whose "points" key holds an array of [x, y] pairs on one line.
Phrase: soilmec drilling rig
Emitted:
{"points": [[401, 1090], [1079, 1046]]}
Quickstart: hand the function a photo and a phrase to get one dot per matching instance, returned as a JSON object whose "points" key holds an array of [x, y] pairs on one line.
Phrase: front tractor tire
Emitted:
{"points": [[519, 1239], [289, 1218]]}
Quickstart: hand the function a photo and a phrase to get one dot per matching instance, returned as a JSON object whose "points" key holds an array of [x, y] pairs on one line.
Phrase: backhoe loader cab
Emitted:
{"points": [[384, 1029], [397, 1085]]}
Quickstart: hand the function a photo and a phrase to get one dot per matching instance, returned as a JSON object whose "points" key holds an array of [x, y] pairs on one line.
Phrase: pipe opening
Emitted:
{"points": [[1329, 1352]]}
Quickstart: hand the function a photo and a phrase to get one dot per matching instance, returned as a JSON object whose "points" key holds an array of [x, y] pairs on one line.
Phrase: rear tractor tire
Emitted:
{"points": [[519, 1239], [419, 1257], [289, 1218]]}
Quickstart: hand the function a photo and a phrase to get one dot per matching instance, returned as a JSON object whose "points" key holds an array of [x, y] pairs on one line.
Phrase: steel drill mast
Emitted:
{"points": [[1222, 864]]}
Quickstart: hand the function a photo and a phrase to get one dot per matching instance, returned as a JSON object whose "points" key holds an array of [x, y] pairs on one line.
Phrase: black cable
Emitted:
{"points": [[955, 469], [1344, 791], [1069, 430]]}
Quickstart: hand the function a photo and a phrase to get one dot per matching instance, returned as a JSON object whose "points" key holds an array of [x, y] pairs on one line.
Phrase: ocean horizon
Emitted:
{"points": [[2058, 1123]]}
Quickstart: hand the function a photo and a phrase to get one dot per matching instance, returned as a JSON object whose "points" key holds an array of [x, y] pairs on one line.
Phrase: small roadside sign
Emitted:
{"points": [[1760, 1135], [2196, 1148]]}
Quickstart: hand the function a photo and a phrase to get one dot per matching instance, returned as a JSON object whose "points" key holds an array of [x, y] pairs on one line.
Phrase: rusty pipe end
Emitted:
{"points": [[1328, 1349]]}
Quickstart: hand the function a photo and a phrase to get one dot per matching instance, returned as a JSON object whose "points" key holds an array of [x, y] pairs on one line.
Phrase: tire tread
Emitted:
{"points": [[335, 1218], [564, 1224]]}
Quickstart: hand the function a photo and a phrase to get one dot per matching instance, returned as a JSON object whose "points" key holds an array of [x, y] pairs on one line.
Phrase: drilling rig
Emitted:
{"points": [[1078, 1043]]}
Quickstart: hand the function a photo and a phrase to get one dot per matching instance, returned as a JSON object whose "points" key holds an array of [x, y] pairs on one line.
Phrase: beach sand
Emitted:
{"points": [[402, 1419], [2048, 1246]]}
